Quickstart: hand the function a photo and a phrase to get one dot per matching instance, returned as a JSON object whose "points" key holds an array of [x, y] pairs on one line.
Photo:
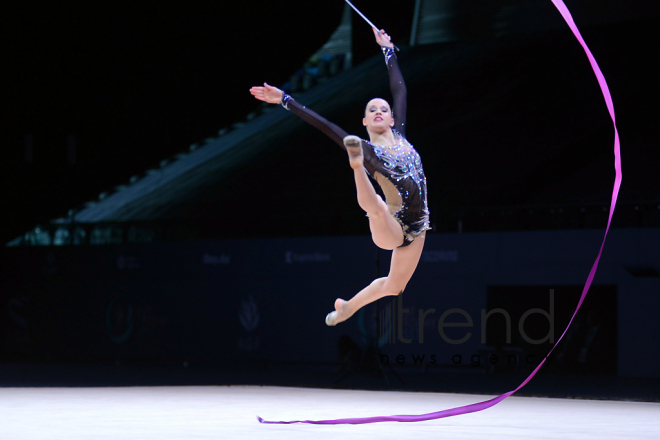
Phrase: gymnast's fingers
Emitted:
{"points": [[258, 93]]}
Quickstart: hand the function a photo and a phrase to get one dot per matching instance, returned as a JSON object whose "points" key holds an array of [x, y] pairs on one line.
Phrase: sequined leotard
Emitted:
{"points": [[397, 169]]}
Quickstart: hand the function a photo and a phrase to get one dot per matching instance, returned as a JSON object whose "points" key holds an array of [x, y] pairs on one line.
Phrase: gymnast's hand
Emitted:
{"points": [[382, 38], [267, 93]]}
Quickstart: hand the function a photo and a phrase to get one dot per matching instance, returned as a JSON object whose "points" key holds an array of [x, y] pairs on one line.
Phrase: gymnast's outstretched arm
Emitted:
{"points": [[273, 95]]}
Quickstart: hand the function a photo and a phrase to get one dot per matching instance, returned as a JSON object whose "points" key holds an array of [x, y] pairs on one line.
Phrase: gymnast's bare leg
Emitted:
{"points": [[386, 233]]}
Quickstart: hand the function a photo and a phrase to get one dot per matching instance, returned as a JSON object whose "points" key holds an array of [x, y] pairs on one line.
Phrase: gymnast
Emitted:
{"points": [[400, 223]]}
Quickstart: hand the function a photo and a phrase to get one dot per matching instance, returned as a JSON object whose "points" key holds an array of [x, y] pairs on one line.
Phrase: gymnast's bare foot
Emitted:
{"points": [[354, 147], [341, 314]]}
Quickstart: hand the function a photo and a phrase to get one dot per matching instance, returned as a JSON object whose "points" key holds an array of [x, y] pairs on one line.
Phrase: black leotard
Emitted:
{"points": [[398, 169]]}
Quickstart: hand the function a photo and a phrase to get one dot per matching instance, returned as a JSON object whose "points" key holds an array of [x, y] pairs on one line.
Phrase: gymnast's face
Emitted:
{"points": [[378, 116]]}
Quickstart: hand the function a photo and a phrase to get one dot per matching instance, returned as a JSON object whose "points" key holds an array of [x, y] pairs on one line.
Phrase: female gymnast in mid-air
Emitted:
{"points": [[400, 223]]}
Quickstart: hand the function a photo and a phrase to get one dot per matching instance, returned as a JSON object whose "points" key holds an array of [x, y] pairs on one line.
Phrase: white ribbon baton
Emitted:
{"points": [[367, 20]]}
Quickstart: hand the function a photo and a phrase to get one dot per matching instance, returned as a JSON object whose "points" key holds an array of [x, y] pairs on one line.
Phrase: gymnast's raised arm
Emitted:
{"points": [[273, 95], [397, 85]]}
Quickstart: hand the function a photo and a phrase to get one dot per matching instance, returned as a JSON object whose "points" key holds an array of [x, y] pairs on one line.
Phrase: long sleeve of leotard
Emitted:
{"points": [[333, 131], [398, 89]]}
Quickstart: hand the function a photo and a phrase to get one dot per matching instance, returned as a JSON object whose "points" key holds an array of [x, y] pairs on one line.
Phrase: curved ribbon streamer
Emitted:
{"points": [[480, 406]]}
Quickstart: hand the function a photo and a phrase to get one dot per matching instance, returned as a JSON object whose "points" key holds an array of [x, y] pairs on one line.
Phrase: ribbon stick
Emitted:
{"points": [[480, 406], [367, 20]]}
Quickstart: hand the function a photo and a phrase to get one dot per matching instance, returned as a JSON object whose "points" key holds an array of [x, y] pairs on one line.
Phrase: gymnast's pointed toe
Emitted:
{"points": [[352, 141], [354, 148], [331, 319]]}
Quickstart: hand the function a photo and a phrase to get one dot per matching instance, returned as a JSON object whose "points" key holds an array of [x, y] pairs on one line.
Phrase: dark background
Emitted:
{"points": [[136, 83]]}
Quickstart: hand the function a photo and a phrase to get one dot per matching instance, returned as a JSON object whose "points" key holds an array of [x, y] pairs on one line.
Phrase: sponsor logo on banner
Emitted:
{"points": [[248, 315], [127, 262], [313, 257], [216, 260], [447, 256], [119, 320]]}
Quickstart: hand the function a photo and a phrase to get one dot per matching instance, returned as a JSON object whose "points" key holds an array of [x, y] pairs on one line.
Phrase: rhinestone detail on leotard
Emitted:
{"points": [[403, 166]]}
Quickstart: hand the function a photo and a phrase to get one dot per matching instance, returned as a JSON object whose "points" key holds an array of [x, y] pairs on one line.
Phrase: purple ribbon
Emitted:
{"points": [[480, 406]]}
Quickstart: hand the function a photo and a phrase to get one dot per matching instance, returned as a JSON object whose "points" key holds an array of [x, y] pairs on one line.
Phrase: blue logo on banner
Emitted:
{"points": [[249, 315]]}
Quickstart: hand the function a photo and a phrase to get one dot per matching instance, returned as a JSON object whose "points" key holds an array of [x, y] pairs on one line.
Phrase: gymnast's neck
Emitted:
{"points": [[385, 138]]}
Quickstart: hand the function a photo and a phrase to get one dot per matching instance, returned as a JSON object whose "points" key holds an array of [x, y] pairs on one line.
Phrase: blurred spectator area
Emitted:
{"points": [[315, 71]]}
